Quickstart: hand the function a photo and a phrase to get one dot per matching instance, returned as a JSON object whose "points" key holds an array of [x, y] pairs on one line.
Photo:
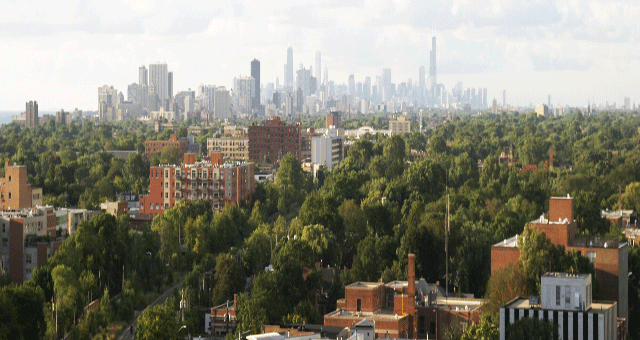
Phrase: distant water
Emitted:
{"points": [[7, 116]]}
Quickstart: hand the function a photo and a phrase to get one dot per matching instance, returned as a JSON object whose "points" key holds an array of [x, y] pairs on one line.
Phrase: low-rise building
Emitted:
{"points": [[567, 303], [400, 125], [28, 238], [153, 146], [403, 309], [608, 255], [327, 150]]}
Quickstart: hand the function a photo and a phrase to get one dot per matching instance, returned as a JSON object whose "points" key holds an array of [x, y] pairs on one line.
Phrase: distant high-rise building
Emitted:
{"points": [[159, 78], [169, 89], [31, 114], [367, 88], [222, 103], [549, 101], [143, 76], [207, 96], [504, 98], [303, 81], [385, 87], [319, 67], [288, 70], [326, 75], [432, 64], [627, 103], [244, 93], [255, 74], [352, 84], [421, 77]]}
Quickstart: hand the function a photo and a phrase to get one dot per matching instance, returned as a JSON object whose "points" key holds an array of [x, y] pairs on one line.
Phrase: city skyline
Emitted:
{"points": [[59, 55]]}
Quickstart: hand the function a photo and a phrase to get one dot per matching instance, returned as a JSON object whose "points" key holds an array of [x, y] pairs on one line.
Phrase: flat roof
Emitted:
{"points": [[386, 314], [364, 285], [597, 307], [566, 275]]}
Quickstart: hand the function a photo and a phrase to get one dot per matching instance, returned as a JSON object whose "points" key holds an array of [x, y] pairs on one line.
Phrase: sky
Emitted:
{"points": [[577, 51]]}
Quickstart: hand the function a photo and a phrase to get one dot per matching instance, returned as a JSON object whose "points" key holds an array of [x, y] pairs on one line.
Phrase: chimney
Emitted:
{"points": [[620, 197], [411, 275], [235, 301]]}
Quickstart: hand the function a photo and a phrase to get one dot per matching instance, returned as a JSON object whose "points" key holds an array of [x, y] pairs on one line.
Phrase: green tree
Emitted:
{"points": [[532, 329], [322, 209], [229, 277], [157, 322], [22, 312]]}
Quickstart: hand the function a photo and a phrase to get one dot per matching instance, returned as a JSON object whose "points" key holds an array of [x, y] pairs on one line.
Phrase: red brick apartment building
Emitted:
{"points": [[402, 309], [609, 256], [153, 146], [268, 143], [15, 192], [217, 182]]}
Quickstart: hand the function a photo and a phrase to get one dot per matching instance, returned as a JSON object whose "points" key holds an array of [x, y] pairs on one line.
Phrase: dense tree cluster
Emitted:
{"points": [[362, 218]]}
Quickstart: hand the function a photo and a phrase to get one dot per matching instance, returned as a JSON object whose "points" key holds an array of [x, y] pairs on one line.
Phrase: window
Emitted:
{"points": [[591, 255], [421, 325], [9, 195], [27, 258], [166, 184], [166, 195], [157, 206], [567, 295], [432, 327], [358, 305], [557, 295], [9, 179], [150, 206]]}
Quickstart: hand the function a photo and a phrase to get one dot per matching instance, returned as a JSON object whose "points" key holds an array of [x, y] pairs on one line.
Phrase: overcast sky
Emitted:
{"points": [[59, 53]]}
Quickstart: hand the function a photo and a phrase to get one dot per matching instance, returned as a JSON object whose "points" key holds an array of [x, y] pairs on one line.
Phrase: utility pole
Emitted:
{"points": [[446, 247]]}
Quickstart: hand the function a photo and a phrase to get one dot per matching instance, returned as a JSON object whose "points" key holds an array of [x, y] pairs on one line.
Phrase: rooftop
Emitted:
{"points": [[511, 242], [566, 275], [385, 314], [364, 285], [597, 307]]}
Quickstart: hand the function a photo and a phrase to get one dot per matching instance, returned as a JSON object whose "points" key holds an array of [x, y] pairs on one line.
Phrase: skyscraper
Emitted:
{"points": [[159, 78], [255, 74], [421, 77], [288, 70], [319, 67], [169, 89], [432, 64], [244, 93], [222, 103], [31, 114], [143, 76], [367, 88], [352, 84]]}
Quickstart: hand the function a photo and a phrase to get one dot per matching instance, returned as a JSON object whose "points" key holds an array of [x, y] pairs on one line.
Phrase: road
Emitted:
{"points": [[129, 332]]}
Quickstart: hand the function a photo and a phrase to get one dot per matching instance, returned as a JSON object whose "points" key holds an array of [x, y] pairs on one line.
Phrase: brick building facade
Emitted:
{"points": [[608, 255], [268, 143], [153, 146], [402, 309], [216, 182], [15, 191]]}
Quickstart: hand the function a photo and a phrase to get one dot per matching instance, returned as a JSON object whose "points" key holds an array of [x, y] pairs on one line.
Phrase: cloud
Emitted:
{"points": [[547, 63]]}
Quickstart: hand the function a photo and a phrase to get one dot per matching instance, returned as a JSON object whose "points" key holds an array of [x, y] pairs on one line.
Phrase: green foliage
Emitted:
{"points": [[22, 313], [229, 277], [157, 322], [532, 329]]}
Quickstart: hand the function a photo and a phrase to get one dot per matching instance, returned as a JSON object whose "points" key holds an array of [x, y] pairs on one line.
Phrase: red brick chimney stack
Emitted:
{"points": [[411, 275]]}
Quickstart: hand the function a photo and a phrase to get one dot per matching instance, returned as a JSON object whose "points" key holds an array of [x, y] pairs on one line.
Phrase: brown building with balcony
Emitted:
{"points": [[268, 143], [214, 181], [608, 255]]}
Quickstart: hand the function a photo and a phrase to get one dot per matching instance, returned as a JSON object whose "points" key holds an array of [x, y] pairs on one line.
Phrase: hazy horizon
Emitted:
{"points": [[59, 54]]}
